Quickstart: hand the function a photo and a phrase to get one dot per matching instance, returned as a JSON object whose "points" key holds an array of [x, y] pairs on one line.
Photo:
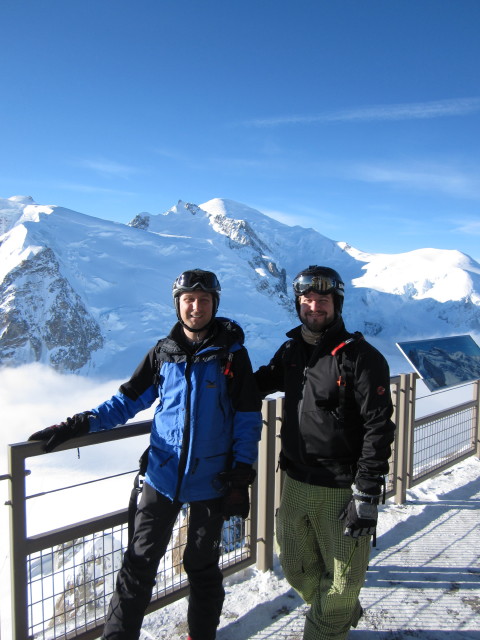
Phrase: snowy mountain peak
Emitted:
{"points": [[19, 209], [359, 255], [140, 221], [89, 295], [22, 199], [143, 220], [11, 210], [424, 273], [188, 206]]}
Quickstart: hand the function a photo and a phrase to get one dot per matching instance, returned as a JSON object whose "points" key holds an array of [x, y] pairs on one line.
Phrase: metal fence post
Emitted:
{"points": [[401, 444], [410, 426], [279, 474], [476, 392], [266, 488], [18, 524], [405, 441]]}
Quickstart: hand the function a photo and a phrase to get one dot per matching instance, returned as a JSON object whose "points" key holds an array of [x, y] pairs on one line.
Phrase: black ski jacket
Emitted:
{"points": [[330, 439]]}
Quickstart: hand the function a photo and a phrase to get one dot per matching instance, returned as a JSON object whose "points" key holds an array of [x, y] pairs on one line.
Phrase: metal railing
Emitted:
{"points": [[62, 579], [426, 446]]}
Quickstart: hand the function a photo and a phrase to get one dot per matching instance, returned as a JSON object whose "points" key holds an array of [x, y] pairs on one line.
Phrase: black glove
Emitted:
{"points": [[360, 515], [236, 501], [55, 435]]}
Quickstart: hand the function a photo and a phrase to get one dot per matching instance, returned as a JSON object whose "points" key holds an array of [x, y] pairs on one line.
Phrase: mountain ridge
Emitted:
{"points": [[90, 296]]}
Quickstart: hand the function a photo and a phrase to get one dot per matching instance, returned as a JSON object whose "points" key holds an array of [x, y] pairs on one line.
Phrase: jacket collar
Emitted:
{"points": [[223, 334], [330, 335]]}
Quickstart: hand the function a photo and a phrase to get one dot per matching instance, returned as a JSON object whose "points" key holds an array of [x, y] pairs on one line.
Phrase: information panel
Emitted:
{"points": [[443, 362]]}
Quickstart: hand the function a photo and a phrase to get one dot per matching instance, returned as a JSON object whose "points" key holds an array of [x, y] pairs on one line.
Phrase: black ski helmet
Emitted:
{"points": [[320, 280], [196, 279]]}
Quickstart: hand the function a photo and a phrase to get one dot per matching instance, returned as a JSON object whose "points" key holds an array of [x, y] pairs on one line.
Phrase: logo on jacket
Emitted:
{"points": [[380, 391]]}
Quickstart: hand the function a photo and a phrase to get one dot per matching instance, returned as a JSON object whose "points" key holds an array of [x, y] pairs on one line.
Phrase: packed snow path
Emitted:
{"points": [[423, 582]]}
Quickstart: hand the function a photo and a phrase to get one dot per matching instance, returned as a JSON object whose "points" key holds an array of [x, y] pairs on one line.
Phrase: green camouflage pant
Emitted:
{"points": [[324, 566]]}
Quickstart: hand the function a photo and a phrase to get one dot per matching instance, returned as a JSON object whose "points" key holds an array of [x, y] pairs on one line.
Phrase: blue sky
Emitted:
{"points": [[358, 118]]}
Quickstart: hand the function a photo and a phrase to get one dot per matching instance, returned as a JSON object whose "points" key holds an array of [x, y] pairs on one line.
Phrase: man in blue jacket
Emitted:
{"points": [[203, 443]]}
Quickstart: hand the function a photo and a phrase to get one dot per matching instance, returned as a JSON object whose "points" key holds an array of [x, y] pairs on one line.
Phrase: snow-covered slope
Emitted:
{"points": [[90, 296], [442, 275]]}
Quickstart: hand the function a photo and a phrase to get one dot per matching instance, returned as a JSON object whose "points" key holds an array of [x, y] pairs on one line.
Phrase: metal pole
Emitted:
{"points": [[279, 474], [402, 440], [476, 395], [266, 488], [410, 426], [18, 537]]}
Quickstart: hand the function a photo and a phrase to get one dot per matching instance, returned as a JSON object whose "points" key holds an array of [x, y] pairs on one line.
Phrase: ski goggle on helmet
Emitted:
{"points": [[195, 279], [320, 280]]}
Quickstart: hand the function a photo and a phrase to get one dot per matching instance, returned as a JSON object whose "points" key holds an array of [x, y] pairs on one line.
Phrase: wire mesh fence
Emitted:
{"points": [[439, 440], [70, 584], [62, 580]]}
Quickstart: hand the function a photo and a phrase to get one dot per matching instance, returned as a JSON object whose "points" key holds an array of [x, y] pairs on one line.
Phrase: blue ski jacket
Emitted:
{"points": [[208, 414]]}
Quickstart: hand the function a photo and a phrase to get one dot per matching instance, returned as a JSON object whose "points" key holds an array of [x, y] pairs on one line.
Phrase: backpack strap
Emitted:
{"points": [[157, 364], [143, 461], [345, 366], [227, 366], [136, 491]]}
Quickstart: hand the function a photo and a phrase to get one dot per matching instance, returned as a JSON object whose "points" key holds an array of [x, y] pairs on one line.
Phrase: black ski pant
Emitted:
{"points": [[154, 523]]}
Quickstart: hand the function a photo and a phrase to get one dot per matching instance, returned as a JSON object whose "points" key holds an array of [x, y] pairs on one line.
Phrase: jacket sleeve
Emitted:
{"points": [[372, 393], [270, 377], [137, 394], [247, 405]]}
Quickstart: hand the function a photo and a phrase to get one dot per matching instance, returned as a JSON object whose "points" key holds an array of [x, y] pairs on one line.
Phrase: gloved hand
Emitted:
{"points": [[360, 515], [55, 435], [236, 501]]}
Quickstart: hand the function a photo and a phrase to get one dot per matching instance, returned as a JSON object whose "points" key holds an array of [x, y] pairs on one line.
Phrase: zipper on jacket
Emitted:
{"points": [[306, 369], [182, 463], [195, 465]]}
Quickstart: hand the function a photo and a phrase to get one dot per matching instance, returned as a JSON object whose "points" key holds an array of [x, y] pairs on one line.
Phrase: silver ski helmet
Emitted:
{"points": [[196, 279], [319, 280]]}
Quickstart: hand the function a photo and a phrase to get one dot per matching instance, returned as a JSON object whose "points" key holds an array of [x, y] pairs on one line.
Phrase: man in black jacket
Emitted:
{"points": [[336, 437]]}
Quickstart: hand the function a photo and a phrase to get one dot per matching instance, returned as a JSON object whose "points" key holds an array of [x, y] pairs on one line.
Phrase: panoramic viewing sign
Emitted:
{"points": [[443, 362]]}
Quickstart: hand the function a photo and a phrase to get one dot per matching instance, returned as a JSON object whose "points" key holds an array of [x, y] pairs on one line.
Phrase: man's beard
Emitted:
{"points": [[317, 324]]}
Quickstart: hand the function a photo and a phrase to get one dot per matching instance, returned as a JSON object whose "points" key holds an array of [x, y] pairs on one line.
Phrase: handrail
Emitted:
{"points": [[24, 546], [405, 473], [445, 413]]}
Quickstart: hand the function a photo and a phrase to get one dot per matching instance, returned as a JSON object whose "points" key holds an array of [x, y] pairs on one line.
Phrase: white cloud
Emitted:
{"points": [[469, 227], [308, 218], [109, 167], [171, 155], [392, 112], [34, 396], [87, 188], [443, 179], [217, 163], [289, 219]]}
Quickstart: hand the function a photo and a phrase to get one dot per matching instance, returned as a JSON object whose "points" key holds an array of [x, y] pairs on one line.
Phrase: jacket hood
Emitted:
{"points": [[224, 333], [232, 328]]}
